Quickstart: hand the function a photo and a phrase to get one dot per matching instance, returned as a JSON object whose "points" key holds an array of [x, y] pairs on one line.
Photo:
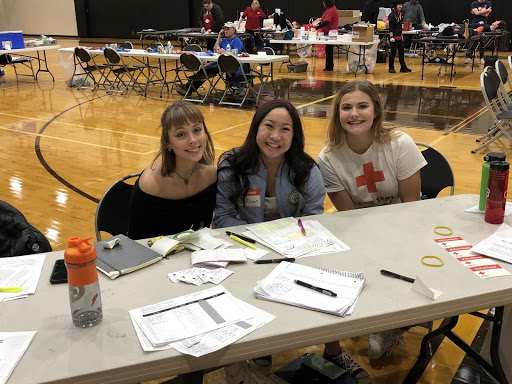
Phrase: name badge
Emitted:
{"points": [[253, 198]]}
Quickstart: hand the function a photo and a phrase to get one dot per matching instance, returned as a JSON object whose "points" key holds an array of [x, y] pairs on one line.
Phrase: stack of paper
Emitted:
{"points": [[285, 237], [20, 271], [196, 324], [12, 347], [498, 245], [280, 286]]}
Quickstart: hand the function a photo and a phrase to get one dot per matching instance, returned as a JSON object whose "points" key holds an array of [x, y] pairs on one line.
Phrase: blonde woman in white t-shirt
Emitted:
{"points": [[365, 164]]}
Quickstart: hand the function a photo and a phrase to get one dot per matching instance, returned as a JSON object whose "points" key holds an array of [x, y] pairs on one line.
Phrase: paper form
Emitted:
{"points": [[187, 316], [212, 341], [12, 347], [20, 271], [285, 237]]}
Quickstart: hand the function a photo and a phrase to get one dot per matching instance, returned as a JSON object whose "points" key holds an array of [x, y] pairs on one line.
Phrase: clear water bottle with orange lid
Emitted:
{"points": [[84, 287]]}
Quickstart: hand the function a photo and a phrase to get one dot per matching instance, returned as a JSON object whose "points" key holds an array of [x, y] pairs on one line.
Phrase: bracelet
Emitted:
{"points": [[430, 264], [437, 232]]}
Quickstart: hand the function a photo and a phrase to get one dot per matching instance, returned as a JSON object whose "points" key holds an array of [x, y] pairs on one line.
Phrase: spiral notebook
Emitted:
{"points": [[280, 286]]}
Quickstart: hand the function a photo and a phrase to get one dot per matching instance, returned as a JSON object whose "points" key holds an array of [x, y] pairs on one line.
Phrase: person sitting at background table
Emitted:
{"points": [[177, 190], [253, 14], [365, 164], [328, 22], [228, 35], [211, 20]]}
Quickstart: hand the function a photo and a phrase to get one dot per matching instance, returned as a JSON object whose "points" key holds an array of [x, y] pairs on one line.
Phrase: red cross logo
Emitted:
{"points": [[369, 178]]}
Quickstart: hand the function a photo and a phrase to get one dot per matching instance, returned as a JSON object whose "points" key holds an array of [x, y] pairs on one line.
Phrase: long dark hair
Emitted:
{"points": [[244, 160], [181, 113]]}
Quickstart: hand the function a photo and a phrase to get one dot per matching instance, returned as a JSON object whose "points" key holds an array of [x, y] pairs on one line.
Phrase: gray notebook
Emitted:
{"points": [[125, 257]]}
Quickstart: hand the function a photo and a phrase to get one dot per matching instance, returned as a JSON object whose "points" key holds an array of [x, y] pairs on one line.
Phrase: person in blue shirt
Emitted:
{"points": [[270, 176], [480, 9], [227, 36]]}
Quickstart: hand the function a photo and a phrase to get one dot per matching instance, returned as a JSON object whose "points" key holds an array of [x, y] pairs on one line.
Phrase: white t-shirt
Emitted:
{"points": [[371, 179]]}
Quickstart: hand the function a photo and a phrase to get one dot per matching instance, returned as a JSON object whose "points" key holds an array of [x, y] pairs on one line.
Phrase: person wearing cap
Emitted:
{"points": [[395, 38], [226, 37], [254, 15], [211, 19], [329, 21]]}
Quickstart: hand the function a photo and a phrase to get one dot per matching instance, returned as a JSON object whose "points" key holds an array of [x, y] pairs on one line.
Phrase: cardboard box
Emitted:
{"points": [[362, 33], [348, 17]]}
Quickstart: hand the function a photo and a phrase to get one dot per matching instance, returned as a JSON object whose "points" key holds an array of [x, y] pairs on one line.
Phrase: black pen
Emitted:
{"points": [[396, 276], [244, 238], [318, 289], [268, 261]]}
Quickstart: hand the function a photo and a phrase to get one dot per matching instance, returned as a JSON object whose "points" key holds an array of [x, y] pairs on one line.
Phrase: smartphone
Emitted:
{"points": [[321, 365], [59, 272]]}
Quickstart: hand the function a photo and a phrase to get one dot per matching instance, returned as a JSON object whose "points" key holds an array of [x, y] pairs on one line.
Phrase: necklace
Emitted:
{"points": [[186, 179]]}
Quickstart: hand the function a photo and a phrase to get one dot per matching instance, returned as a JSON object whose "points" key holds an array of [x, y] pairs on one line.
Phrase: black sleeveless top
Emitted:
{"points": [[152, 216]]}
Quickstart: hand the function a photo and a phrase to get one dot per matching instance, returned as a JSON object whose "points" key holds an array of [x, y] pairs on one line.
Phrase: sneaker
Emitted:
{"points": [[468, 61], [181, 89], [392, 70], [328, 69], [382, 343], [241, 373], [482, 61], [344, 361], [405, 70]]}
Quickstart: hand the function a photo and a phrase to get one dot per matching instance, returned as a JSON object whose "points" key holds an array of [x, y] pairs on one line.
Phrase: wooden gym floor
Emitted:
{"points": [[62, 148]]}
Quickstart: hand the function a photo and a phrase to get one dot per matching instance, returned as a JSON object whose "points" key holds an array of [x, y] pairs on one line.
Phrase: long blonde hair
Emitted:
{"points": [[336, 135]]}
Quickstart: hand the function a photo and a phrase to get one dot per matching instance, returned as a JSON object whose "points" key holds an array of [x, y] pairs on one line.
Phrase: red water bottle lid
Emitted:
{"points": [[499, 166]]}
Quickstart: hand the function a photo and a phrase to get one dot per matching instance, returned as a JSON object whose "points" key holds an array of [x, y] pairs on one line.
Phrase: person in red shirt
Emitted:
{"points": [[254, 15], [328, 22]]}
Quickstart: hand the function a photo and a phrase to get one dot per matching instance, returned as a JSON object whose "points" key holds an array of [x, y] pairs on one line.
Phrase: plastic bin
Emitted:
{"points": [[15, 37], [299, 66]]}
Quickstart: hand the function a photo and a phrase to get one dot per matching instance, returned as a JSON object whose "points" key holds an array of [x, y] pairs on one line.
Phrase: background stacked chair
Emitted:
{"points": [[497, 107]]}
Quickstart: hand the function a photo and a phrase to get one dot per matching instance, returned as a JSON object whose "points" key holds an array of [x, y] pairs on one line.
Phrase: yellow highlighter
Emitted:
{"points": [[242, 242], [11, 289]]}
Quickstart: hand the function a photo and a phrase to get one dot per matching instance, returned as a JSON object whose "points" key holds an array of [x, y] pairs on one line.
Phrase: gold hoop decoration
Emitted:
{"points": [[430, 264], [437, 232]]}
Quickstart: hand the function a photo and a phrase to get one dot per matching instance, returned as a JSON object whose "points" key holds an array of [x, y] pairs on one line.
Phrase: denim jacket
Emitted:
{"points": [[289, 201]]}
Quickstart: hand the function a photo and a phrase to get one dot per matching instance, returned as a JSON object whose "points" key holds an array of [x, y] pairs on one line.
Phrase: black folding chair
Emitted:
{"points": [[194, 70], [6, 59], [237, 83], [86, 65], [112, 213], [436, 175], [118, 67]]}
